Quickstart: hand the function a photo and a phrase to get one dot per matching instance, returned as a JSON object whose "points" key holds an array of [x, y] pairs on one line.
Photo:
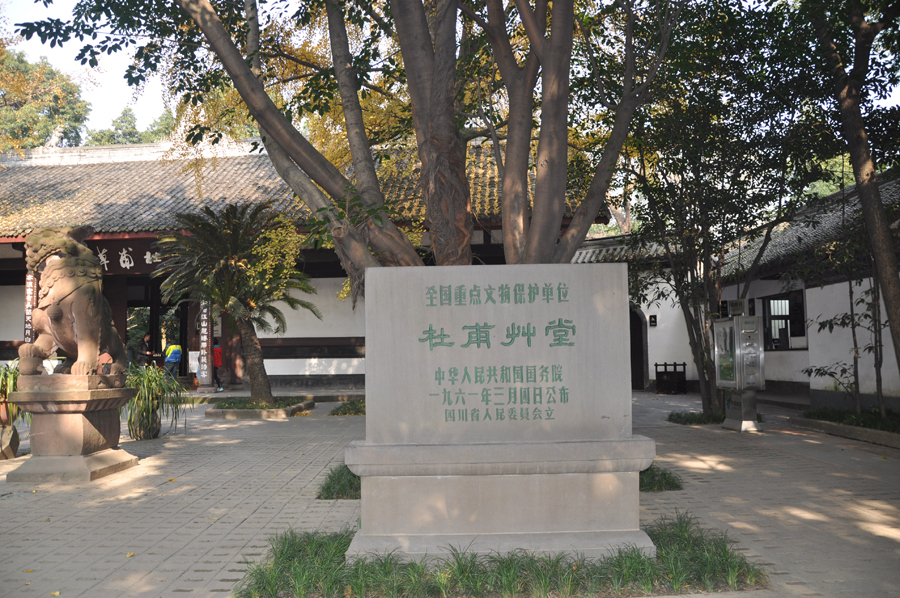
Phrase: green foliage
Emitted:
{"points": [[867, 419], [277, 403], [9, 376], [124, 130], [37, 103], [354, 407], [312, 564], [341, 483], [840, 372], [226, 258], [352, 210], [659, 479], [160, 128], [159, 396]]}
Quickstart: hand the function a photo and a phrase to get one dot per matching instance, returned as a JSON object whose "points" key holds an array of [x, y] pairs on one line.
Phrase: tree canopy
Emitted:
{"points": [[438, 75], [124, 130], [38, 104]]}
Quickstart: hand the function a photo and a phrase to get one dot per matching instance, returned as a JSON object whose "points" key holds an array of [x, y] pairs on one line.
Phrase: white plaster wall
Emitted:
{"points": [[827, 348], [12, 304], [338, 317], [668, 340], [785, 366], [315, 367]]}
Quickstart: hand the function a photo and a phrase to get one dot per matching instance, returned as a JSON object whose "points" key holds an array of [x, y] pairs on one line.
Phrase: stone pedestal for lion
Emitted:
{"points": [[75, 427]]}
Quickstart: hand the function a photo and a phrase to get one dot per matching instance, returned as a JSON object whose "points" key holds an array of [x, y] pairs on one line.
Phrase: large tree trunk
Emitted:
{"points": [[431, 77], [847, 93], [260, 389], [551, 167]]}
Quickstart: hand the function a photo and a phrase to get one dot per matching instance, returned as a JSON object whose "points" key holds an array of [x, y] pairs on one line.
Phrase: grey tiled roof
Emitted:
{"points": [[810, 229], [122, 189], [615, 249], [130, 196]]}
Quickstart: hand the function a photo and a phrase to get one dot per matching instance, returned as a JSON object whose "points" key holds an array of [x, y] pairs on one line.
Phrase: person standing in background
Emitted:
{"points": [[143, 355], [173, 359], [217, 363]]}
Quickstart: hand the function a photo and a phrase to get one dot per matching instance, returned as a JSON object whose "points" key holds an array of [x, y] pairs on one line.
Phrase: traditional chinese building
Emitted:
{"points": [[130, 194]]}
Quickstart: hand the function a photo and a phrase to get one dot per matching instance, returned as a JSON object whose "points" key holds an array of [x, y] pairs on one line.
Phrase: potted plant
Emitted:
{"points": [[9, 412], [159, 396]]}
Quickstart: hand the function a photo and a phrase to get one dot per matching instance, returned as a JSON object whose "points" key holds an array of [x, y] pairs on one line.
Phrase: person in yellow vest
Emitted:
{"points": [[173, 359]]}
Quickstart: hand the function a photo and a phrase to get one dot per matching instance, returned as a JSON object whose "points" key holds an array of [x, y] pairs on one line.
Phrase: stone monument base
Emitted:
{"points": [[72, 469], [740, 412], [9, 442], [75, 427], [579, 497]]}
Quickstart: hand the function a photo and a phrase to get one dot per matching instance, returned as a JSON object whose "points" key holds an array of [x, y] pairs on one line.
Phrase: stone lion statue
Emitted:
{"points": [[72, 313]]}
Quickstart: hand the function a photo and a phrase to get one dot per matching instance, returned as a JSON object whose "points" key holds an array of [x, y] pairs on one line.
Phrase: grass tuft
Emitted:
{"points": [[341, 483], [355, 407], [688, 559], [659, 479], [867, 419]]}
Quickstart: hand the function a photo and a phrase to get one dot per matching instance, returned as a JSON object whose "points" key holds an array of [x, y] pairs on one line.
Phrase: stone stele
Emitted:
{"points": [[498, 412]]}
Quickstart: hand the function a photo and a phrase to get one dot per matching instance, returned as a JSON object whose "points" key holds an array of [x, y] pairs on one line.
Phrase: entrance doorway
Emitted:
{"points": [[640, 365]]}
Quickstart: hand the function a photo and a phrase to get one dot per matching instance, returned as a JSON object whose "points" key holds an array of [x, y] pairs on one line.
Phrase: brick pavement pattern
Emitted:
{"points": [[822, 513], [193, 511]]}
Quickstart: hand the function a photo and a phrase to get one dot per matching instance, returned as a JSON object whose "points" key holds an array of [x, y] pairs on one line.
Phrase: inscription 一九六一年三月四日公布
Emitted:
{"points": [[502, 294], [560, 330], [521, 399]]}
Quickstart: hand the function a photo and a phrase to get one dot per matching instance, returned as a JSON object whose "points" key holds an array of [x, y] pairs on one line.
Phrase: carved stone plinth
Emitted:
{"points": [[74, 427], [9, 442]]}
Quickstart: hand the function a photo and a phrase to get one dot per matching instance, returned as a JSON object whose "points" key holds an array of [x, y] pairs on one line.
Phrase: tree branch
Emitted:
{"points": [[259, 103], [534, 32]]}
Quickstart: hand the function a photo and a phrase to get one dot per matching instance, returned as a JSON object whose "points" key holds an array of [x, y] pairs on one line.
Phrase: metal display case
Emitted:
{"points": [[740, 368]]}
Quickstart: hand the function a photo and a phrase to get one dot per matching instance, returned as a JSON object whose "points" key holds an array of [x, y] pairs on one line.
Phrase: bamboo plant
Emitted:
{"points": [[159, 396]]}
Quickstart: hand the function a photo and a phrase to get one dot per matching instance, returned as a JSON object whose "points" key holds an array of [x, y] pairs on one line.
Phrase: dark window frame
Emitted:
{"points": [[792, 313]]}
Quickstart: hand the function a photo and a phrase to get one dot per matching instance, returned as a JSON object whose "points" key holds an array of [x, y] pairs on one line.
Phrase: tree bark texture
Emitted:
{"points": [[260, 389], [847, 93], [551, 168], [431, 77], [519, 82]]}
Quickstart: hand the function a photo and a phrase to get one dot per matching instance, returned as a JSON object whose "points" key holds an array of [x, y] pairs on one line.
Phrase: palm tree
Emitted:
{"points": [[225, 258]]}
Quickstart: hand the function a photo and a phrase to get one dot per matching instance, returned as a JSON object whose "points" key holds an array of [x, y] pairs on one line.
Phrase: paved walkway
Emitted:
{"points": [[822, 513]]}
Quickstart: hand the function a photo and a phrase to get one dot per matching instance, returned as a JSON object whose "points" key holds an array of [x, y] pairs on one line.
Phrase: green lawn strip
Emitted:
{"points": [[341, 483], [867, 419], [354, 407], [245, 403], [689, 559], [698, 418]]}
